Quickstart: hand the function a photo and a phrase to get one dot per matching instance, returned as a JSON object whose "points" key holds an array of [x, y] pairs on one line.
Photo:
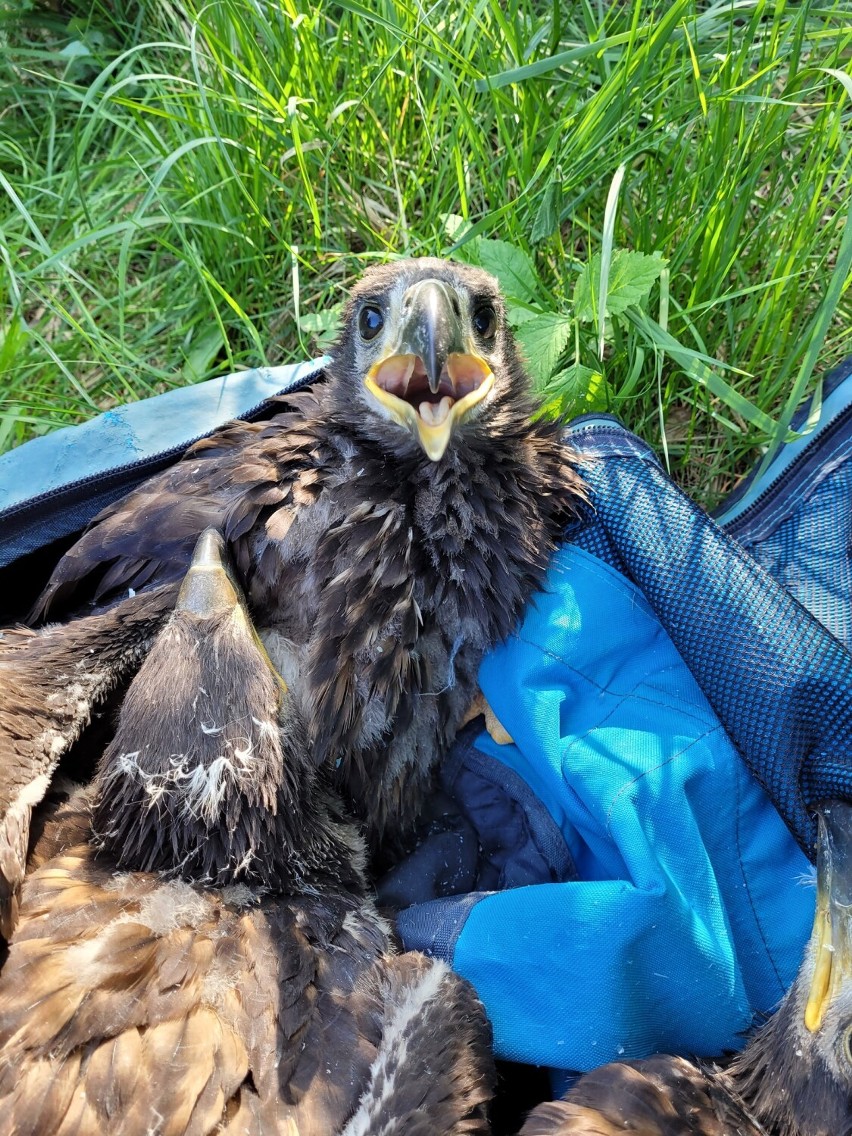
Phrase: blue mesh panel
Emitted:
{"points": [[780, 684], [808, 551]]}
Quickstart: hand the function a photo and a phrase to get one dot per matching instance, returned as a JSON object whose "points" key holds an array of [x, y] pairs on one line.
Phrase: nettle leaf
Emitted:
{"points": [[512, 267], [575, 390], [632, 275], [457, 228], [75, 50], [543, 340], [516, 314], [324, 326]]}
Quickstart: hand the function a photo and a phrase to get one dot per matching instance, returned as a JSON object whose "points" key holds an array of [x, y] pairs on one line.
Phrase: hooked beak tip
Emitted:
{"points": [[832, 931]]}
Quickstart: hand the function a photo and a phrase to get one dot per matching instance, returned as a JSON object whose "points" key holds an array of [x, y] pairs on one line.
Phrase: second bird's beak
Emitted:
{"points": [[831, 937], [210, 589], [431, 376]]}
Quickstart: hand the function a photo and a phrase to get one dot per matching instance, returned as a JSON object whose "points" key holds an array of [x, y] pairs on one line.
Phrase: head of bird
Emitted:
{"points": [[425, 347], [209, 775], [796, 1074]]}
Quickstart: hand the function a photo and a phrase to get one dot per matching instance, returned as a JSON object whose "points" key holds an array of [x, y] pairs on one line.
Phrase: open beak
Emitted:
{"points": [[831, 937], [210, 588], [431, 378]]}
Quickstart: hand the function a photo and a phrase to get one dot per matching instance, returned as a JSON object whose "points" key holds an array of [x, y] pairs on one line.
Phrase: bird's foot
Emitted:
{"points": [[495, 728]]}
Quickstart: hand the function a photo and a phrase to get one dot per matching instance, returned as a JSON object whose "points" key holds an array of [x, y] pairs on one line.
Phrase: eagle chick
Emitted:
{"points": [[387, 525], [794, 1078]]}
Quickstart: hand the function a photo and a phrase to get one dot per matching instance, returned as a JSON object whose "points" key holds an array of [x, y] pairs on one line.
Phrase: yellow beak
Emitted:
{"points": [[433, 429], [831, 938]]}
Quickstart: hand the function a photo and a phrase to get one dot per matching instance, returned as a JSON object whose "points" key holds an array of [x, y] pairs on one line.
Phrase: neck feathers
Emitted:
{"points": [[783, 1080]]}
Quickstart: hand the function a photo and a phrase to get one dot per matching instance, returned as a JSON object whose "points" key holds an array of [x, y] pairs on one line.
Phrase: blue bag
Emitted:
{"points": [[619, 880]]}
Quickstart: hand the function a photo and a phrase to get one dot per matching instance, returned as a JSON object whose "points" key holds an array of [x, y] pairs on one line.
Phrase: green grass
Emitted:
{"points": [[188, 187]]}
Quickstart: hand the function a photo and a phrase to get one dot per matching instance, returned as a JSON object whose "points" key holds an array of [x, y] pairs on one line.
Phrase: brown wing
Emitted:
{"points": [[135, 1005], [223, 481], [663, 1096], [50, 682], [434, 1071]]}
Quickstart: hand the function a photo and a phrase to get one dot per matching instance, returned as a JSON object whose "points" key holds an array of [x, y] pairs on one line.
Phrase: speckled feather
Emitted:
{"points": [[132, 1005], [248, 985], [788, 1080], [661, 1096]]}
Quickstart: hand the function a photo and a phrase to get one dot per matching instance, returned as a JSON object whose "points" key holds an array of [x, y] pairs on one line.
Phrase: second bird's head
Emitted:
{"points": [[425, 347]]}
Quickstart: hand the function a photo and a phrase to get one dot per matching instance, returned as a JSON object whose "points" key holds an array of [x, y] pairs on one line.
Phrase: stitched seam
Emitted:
{"points": [[661, 765], [746, 884], [671, 697]]}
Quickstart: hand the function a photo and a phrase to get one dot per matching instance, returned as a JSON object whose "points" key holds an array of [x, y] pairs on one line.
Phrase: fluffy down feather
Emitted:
{"points": [[51, 682], [136, 1001]]}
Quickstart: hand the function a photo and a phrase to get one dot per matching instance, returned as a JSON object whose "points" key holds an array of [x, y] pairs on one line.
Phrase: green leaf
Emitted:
{"points": [[323, 325], [576, 390], [543, 339], [547, 217], [516, 314], [700, 369], [512, 267], [543, 66], [457, 230], [200, 358], [631, 277], [75, 50], [455, 226]]}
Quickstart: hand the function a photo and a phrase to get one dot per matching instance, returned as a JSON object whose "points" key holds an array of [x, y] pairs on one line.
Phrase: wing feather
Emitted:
{"points": [[50, 683], [147, 537], [661, 1096]]}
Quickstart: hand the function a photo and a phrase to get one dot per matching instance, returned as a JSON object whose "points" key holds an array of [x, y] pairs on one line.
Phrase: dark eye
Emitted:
{"points": [[485, 321], [848, 1043], [370, 322]]}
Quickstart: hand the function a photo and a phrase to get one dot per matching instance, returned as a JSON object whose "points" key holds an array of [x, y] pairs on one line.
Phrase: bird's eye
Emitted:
{"points": [[370, 321], [847, 1045], [485, 321]]}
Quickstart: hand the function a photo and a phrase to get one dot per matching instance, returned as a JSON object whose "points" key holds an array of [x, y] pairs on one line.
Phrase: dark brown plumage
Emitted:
{"points": [[794, 1078], [388, 526], [137, 1001]]}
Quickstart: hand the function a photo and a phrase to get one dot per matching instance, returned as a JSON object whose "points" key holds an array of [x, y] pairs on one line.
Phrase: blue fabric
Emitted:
{"points": [[780, 683], [796, 519], [138, 431], [690, 914]]}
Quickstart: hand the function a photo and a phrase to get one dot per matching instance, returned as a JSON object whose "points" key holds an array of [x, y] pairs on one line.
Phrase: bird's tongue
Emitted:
{"points": [[434, 413]]}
